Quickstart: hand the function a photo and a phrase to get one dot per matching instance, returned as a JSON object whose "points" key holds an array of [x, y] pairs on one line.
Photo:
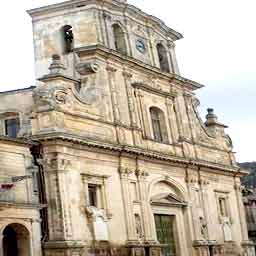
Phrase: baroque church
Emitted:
{"points": [[107, 154]]}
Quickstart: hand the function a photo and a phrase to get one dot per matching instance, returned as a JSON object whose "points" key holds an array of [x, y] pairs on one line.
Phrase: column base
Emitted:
{"points": [[248, 248], [144, 249], [72, 248]]}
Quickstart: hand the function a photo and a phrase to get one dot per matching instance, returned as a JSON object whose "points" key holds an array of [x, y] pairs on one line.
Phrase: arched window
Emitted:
{"points": [[119, 39], [163, 58], [68, 38], [158, 124]]}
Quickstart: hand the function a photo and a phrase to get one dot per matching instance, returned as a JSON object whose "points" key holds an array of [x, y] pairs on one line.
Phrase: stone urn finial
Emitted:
{"points": [[211, 118], [56, 66]]}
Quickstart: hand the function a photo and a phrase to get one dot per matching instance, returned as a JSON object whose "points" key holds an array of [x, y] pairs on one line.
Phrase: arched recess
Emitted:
{"points": [[119, 38], [168, 205], [16, 240], [68, 38], [174, 185], [163, 58], [158, 123]]}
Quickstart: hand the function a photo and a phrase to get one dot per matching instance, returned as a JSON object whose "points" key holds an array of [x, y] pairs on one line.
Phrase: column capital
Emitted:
{"points": [[127, 74], [125, 172], [111, 69]]}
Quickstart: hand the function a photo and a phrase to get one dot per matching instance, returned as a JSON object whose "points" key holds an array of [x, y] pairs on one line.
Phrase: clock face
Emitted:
{"points": [[140, 45]]}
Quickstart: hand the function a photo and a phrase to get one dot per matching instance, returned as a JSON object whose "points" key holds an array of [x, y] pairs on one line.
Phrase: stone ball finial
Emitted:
{"points": [[56, 66]]}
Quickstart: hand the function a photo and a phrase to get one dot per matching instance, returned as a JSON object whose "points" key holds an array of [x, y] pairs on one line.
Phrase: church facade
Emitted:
{"points": [[124, 164]]}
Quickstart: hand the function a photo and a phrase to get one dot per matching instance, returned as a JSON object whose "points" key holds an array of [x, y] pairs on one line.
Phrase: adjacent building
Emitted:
{"points": [[124, 164]]}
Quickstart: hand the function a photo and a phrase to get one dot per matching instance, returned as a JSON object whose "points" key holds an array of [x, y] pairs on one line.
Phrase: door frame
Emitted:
{"points": [[179, 226]]}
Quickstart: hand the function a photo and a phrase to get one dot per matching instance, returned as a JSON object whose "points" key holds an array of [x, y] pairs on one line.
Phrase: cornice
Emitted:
{"points": [[51, 77], [131, 62], [19, 141], [133, 150], [22, 205], [114, 4], [160, 92]]}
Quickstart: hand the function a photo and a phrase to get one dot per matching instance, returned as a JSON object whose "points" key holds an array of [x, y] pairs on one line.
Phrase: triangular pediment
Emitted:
{"points": [[167, 199]]}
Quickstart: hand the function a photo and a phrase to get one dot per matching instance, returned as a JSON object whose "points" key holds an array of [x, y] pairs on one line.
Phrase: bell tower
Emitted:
{"points": [[117, 28]]}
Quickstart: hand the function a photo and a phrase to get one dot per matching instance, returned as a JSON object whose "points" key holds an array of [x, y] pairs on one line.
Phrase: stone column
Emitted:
{"points": [[169, 106], [192, 210], [131, 105], [144, 114], [129, 218], [174, 63], [114, 96], [61, 237], [205, 204], [145, 206], [1, 245], [241, 211]]}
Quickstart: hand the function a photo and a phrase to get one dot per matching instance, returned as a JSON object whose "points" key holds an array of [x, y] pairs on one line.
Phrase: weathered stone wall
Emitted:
{"points": [[19, 205]]}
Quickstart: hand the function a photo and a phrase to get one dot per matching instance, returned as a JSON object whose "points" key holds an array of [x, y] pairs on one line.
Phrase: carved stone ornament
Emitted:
{"points": [[141, 174], [89, 91], [93, 212], [45, 97], [99, 223], [87, 68]]}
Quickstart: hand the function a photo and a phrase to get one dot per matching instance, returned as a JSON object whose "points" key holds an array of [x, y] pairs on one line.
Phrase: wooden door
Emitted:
{"points": [[165, 233]]}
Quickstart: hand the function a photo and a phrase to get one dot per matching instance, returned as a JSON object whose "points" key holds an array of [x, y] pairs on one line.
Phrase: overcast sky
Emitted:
{"points": [[218, 50]]}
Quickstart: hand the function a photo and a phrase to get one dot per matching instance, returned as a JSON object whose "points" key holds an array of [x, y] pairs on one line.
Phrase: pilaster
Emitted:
{"points": [[241, 210], [145, 206], [131, 105], [129, 218], [114, 97], [174, 63]]}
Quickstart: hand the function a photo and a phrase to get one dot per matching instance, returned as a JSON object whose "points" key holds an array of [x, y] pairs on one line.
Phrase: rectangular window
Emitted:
{"points": [[157, 130], [92, 195], [12, 127], [134, 193]]}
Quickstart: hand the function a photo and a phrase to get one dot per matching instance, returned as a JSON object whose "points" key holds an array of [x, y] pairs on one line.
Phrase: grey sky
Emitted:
{"points": [[218, 50]]}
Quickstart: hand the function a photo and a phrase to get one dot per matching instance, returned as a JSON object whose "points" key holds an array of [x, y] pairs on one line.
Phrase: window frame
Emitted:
{"points": [[17, 126], [164, 64], [121, 34], [102, 195], [158, 125]]}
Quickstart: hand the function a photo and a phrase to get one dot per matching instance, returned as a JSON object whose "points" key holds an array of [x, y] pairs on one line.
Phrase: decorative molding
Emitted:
{"points": [[147, 68], [138, 151], [146, 87]]}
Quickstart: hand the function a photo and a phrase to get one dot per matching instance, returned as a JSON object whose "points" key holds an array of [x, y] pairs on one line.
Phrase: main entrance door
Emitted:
{"points": [[165, 233]]}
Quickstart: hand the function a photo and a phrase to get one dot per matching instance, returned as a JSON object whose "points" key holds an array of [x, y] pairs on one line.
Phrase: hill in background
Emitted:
{"points": [[249, 181]]}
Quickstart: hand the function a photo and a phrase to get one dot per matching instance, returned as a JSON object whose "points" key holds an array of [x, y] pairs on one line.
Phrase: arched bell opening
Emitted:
{"points": [[16, 240]]}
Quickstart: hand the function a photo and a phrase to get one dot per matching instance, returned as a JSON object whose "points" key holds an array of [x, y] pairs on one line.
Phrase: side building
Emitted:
{"points": [[20, 219], [126, 165]]}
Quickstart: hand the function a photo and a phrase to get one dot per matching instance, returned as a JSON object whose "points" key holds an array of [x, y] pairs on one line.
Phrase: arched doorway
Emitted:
{"points": [[168, 208], [16, 240]]}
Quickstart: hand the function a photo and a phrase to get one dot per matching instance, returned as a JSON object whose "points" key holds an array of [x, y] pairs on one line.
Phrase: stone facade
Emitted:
{"points": [[249, 198], [127, 165], [19, 206]]}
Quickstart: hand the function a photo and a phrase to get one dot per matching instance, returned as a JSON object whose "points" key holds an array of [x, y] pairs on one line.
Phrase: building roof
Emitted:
{"points": [[30, 88]]}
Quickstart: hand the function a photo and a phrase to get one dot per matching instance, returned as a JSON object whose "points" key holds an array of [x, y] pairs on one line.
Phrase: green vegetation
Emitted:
{"points": [[249, 181]]}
